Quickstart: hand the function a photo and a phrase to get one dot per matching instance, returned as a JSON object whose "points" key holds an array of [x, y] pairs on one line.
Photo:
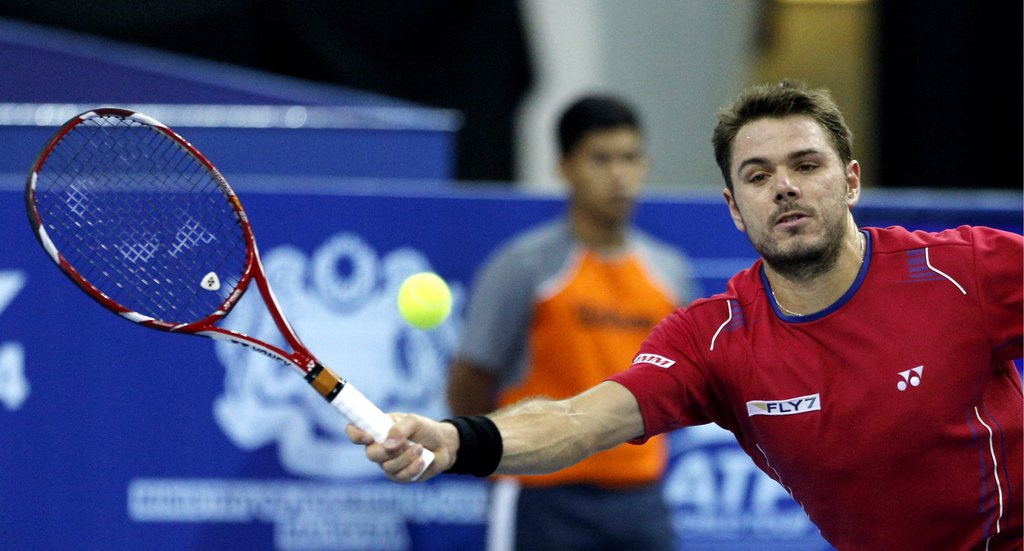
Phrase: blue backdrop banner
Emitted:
{"points": [[118, 437]]}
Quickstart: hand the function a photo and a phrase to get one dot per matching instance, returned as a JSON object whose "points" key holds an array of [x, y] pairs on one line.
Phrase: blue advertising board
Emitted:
{"points": [[119, 437]]}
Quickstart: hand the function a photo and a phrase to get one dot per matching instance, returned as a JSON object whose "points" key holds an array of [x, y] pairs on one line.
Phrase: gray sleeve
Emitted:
{"points": [[686, 284], [498, 314], [672, 268]]}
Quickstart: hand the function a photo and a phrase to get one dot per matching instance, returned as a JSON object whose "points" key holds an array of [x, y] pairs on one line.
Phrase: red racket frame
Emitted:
{"points": [[333, 388]]}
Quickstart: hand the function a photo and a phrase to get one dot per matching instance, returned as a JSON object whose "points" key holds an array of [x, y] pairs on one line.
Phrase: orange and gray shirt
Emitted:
{"points": [[550, 317]]}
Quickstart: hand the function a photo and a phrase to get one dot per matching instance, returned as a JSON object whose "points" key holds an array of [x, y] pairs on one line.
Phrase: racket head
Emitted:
{"points": [[140, 220]]}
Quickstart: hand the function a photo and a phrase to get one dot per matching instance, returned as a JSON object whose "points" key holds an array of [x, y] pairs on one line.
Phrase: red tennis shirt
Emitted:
{"points": [[894, 417]]}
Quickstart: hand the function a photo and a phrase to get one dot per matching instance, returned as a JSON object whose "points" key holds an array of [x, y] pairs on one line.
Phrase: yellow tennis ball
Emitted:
{"points": [[424, 300]]}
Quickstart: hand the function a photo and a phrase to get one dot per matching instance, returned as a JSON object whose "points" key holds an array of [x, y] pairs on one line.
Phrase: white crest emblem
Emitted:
{"points": [[341, 302]]}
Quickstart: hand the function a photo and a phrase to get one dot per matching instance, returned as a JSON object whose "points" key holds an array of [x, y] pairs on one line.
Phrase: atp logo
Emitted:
{"points": [[718, 497], [911, 377], [341, 302]]}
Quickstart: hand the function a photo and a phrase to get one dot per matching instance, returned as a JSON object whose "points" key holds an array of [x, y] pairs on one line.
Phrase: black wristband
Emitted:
{"points": [[480, 446]]}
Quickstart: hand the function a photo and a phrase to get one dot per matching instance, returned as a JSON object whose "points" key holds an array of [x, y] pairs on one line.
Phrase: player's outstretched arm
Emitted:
{"points": [[542, 436], [534, 436]]}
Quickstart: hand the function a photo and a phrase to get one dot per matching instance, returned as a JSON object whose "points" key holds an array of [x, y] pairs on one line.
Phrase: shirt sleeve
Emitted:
{"points": [[666, 378], [671, 268], [498, 314], [999, 265], [689, 288]]}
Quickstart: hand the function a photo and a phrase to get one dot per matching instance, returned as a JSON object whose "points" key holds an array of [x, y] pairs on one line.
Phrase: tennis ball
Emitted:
{"points": [[424, 300]]}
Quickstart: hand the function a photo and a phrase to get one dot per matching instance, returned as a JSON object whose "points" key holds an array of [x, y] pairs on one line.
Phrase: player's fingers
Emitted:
{"points": [[417, 471], [379, 453], [406, 466], [404, 427], [357, 435], [408, 426]]}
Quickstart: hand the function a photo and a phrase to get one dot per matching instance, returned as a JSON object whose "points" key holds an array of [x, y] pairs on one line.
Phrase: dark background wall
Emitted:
{"points": [[462, 54], [948, 90], [950, 93]]}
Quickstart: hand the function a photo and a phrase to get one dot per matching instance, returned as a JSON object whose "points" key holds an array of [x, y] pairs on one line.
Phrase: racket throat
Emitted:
{"points": [[325, 382]]}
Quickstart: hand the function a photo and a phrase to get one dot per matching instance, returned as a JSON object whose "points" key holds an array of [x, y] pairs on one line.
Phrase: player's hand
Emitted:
{"points": [[400, 456]]}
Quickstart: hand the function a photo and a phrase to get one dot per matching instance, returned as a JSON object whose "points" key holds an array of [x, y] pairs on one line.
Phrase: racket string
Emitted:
{"points": [[141, 219]]}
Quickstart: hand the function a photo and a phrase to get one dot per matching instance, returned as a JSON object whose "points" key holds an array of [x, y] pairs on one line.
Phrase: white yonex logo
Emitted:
{"points": [[911, 377], [654, 359], [791, 406], [211, 282]]}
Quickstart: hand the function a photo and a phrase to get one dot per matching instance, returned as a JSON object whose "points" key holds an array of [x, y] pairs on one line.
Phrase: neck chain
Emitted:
{"points": [[789, 312], [785, 310]]}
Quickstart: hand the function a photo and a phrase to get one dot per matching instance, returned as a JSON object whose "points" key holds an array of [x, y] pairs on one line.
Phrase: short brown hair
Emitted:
{"points": [[779, 100]]}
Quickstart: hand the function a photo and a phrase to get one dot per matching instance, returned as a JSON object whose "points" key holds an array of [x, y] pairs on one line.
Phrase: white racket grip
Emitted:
{"points": [[368, 417]]}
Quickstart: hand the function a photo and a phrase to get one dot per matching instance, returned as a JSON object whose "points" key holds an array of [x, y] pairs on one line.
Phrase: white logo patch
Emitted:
{"points": [[791, 406], [211, 282], [654, 359]]}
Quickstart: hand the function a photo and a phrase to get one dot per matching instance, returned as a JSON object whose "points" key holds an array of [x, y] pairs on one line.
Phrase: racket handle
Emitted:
{"points": [[368, 417]]}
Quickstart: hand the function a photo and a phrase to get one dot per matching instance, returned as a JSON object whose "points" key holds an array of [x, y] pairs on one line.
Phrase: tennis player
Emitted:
{"points": [[868, 371]]}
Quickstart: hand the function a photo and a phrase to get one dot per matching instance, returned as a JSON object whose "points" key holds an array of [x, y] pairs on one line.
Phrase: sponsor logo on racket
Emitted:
{"points": [[211, 282]]}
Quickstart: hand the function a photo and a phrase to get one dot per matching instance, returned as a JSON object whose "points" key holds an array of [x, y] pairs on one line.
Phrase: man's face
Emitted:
{"points": [[791, 193], [605, 173]]}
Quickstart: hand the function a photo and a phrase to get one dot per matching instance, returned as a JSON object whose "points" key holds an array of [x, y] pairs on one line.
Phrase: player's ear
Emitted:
{"points": [[567, 173], [562, 168], [734, 210], [645, 162], [852, 183]]}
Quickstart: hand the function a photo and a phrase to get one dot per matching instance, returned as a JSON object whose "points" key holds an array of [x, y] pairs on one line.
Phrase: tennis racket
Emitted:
{"points": [[143, 223]]}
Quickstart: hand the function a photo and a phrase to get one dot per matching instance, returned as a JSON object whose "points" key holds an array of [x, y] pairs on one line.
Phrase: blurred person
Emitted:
{"points": [[869, 371], [559, 308]]}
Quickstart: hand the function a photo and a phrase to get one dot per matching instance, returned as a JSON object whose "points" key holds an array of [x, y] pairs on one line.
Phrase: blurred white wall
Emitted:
{"points": [[678, 61]]}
